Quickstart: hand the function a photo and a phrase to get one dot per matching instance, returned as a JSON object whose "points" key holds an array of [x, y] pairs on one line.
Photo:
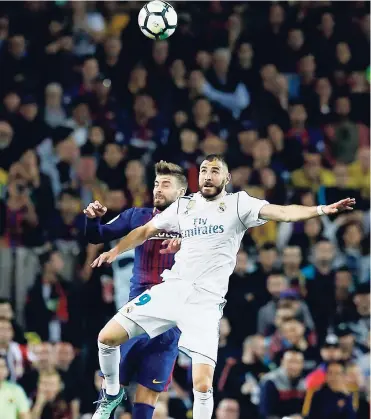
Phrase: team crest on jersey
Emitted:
{"points": [[191, 205], [222, 207]]}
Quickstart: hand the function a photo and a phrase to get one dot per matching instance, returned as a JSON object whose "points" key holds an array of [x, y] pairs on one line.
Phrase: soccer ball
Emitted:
{"points": [[157, 20]]}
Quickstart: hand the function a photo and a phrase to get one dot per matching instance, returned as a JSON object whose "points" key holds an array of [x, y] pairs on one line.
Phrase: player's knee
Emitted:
{"points": [[202, 384], [106, 339]]}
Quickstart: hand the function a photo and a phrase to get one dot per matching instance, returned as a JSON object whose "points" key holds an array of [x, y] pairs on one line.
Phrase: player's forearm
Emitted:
{"points": [[299, 213], [134, 239], [289, 213], [97, 233]]}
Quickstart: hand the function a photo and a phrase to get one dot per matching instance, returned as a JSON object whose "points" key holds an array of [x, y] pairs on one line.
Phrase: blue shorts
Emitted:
{"points": [[149, 362]]}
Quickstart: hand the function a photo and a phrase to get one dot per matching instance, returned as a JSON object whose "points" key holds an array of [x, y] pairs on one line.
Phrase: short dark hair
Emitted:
{"points": [[5, 301], [217, 157], [268, 246], [171, 169]]}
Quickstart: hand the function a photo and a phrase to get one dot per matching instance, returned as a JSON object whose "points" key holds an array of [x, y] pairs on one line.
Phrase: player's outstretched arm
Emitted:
{"points": [[134, 239], [292, 213], [97, 233]]}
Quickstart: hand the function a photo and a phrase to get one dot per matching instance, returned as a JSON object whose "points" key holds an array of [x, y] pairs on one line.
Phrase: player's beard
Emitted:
{"points": [[162, 204], [215, 191]]}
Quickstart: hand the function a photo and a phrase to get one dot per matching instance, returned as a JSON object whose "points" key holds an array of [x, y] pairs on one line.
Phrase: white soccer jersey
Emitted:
{"points": [[211, 236]]}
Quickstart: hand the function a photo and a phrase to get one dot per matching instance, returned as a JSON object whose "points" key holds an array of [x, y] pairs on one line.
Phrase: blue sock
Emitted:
{"points": [[142, 411]]}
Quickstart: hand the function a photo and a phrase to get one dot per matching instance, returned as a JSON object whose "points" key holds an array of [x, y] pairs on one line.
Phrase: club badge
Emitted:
{"points": [[222, 207]]}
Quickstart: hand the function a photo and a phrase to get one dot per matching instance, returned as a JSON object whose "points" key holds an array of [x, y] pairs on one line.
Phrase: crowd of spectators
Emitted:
{"points": [[88, 104]]}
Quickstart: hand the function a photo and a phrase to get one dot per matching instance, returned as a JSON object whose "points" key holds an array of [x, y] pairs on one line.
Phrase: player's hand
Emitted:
{"points": [[94, 210], [172, 246], [346, 204], [106, 257]]}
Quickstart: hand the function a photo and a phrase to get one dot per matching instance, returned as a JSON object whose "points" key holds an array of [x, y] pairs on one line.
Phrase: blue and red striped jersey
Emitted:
{"points": [[149, 263]]}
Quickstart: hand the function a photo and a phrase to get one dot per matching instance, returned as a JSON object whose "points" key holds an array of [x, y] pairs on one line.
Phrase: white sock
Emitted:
{"points": [[109, 361], [203, 404]]}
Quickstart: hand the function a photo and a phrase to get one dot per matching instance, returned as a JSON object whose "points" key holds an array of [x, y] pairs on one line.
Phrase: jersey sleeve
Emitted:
{"points": [[248, 209], [168, 219], [115, 229]]}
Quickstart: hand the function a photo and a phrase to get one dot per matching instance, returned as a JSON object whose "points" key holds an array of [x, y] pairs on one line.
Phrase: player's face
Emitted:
{"points": [[165, 191], [212, 178]]}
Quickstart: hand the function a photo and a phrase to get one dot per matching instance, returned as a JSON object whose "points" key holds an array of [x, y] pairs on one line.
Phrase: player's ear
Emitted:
{"points": [[229, 177], [181, 192]]}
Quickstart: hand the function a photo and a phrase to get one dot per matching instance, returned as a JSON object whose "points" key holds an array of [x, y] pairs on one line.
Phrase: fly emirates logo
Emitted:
{"points": [[201, 227]]}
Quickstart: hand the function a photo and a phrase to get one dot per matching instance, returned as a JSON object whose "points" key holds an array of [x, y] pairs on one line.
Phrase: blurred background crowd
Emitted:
{"points": [[88, 104]]}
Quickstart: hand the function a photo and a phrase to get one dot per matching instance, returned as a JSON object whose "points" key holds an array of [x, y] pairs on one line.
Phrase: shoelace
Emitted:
{"points": [[103, 398]]}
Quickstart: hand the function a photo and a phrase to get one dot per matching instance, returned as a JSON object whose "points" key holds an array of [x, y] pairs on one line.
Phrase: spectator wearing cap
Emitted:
{"points": [[330, 352], [13, 400], [283, 390], [347, 343], [332, 400]]}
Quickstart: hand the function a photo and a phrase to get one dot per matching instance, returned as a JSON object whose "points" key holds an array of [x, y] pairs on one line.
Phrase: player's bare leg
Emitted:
{"points": [[145, 402], [110, 338], [203, 391]]}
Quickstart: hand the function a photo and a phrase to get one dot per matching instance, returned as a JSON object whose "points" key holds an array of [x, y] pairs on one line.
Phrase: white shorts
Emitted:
{"points": [[195, 311]]}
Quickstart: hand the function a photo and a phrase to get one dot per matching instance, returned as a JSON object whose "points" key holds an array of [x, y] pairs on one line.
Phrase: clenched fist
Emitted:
{"points": [[95, 209]]}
